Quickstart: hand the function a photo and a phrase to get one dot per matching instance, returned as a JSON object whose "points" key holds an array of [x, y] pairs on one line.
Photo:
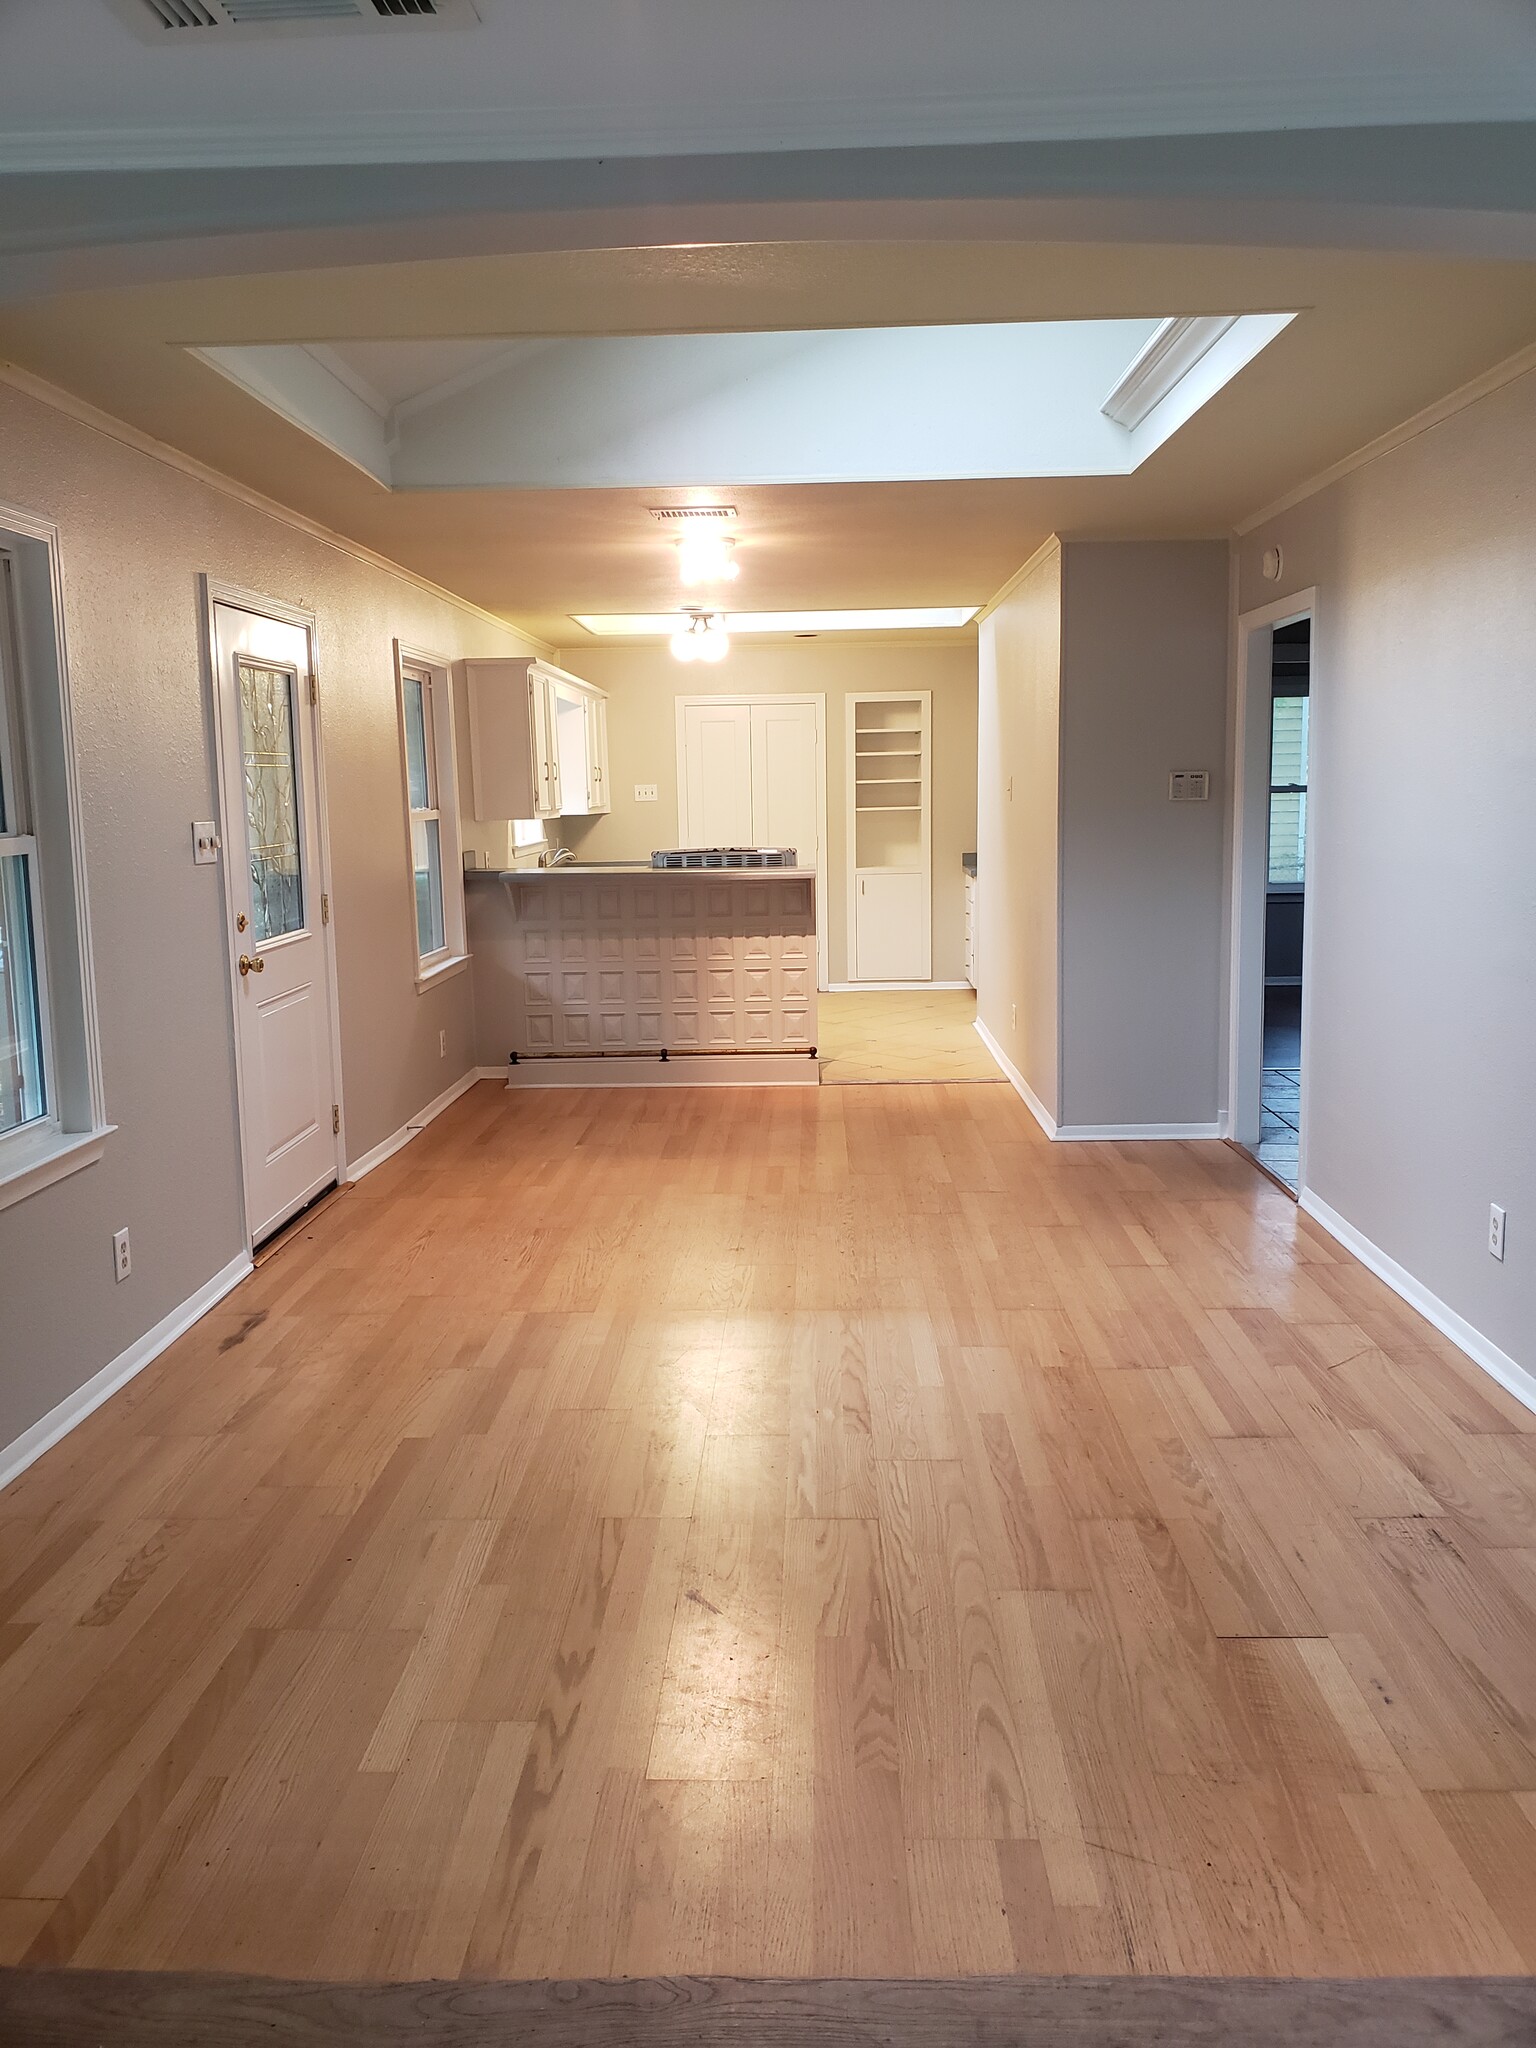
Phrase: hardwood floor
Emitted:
{"points": [[799, 1533], [107, 2009]]}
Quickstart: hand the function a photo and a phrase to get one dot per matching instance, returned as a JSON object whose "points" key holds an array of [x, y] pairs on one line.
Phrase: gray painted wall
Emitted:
{"points": [[135, 534], [1100, 901], [1144, 692], [1421, 1086]]}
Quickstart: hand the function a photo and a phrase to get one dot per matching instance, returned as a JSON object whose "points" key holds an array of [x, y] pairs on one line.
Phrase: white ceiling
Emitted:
{"points": [[570, 78]]}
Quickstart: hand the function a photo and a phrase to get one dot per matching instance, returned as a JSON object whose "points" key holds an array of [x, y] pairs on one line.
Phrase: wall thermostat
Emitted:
{"points": [[1189, 786], [1272, 564]]}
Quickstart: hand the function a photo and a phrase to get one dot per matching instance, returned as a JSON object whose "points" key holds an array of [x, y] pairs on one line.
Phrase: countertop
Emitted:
{"points": [[635, 870]]}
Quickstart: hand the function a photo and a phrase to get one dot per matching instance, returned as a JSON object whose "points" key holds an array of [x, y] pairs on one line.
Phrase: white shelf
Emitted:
{"points": [[866, 810]]}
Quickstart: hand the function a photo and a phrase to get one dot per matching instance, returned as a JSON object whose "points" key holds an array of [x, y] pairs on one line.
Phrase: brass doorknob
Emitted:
{"points": [[250, 966]]}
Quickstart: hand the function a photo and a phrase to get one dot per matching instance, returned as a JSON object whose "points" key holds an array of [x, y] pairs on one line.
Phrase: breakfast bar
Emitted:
{"points": [[625, 969]]}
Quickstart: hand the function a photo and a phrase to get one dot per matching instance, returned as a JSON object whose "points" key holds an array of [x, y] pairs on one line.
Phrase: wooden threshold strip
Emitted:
{"points": [[85, 2008]]}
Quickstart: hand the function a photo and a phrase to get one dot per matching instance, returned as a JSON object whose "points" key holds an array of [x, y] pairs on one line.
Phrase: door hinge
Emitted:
{"points": [[335, 1119], [325, 906], [314, 687]]}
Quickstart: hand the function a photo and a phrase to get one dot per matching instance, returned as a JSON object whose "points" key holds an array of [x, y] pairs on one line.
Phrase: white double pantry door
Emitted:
{"points": [[751, 772]]}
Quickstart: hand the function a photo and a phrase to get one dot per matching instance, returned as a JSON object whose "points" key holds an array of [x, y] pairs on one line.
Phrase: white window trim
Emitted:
{"points": [[453, 956], [47, 1150]]}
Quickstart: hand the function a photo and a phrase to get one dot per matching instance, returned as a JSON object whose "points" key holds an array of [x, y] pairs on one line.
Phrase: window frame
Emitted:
{"points": [[436, 676], [18, 841], [1294, 884], [43, 797]]}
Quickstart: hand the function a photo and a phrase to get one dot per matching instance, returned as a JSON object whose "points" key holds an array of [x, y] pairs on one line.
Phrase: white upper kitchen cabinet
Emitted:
{"points": [[538, 741]]}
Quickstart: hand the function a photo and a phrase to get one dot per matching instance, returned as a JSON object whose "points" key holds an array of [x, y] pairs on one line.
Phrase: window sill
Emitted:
{"points": [[440, 970], [37, 1159]]}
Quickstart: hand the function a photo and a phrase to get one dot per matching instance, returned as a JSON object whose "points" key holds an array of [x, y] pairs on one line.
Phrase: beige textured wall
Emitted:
{"points": [[1018, 866], [136, 532], [644, 683], [1421, 900]]}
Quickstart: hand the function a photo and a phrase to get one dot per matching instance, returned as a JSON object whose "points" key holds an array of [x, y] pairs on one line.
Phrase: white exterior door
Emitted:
{"points": [[275, 870], [715, 801]]}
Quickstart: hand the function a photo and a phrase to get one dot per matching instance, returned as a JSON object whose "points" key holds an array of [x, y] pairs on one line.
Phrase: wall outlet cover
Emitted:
{"points": [[122, 1255], [1496, 1230], [205, 842]]}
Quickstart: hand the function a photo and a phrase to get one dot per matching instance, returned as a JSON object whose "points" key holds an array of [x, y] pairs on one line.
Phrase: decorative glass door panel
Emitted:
{"points": [[273, 821]]}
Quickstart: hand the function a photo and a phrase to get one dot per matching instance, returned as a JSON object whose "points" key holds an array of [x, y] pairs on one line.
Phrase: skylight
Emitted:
{"points": [[1045, 398]]}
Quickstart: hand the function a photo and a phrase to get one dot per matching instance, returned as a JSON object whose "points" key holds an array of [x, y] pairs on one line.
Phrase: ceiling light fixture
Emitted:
{"points": [[702, 637], [707, 558]]}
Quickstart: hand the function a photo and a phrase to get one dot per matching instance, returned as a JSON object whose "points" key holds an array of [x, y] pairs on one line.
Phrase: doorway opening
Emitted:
{"points": [[1285, 888], [1271, 877]]}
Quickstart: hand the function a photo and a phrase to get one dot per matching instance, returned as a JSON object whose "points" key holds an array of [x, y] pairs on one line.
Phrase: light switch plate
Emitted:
{"points": [[205, 842], [645, 792]]}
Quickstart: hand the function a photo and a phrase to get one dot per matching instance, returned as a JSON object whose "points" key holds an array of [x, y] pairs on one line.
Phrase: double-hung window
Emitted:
{"points": [[436, 863], [52, 1115], [25, 1086], [1290, 739]]}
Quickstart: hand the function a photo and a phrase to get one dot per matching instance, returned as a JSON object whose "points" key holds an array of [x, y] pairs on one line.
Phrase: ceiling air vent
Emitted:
{"points": [[708, 515], [183, 22]]}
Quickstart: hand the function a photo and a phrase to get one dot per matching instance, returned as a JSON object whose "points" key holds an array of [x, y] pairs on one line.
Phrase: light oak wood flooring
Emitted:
{"points": [[902, 1035], [777, 1532]]}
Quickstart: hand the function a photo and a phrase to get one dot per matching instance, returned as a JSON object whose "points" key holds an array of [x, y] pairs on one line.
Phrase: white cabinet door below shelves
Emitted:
{"points": [[890, 932]]}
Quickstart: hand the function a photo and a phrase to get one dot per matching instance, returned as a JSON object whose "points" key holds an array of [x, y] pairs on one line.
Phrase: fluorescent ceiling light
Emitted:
{"points": [[662, 625]]}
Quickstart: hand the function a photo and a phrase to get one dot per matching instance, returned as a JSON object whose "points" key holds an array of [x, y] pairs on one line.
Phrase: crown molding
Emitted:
{"points": [[552, 132], [114, 429], [1051, 545], [1506, 372], [1177, 347]]}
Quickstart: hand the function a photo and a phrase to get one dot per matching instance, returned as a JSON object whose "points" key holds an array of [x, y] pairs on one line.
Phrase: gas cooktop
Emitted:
{"points": [[726, 857]]}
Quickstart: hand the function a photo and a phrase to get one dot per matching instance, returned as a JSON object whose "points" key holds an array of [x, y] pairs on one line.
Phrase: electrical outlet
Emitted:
{"points": [[205, 842], [1496, 1230], [442, 1045], [645, 792], [122, 1254]]}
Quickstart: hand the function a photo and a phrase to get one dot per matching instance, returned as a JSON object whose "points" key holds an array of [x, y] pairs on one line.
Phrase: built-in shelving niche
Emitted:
{"points": [[890, 830]]}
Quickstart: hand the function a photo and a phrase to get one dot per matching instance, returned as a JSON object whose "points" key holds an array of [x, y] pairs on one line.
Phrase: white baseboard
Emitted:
{"points": [[422, 1118], [865, 988], [1514, 1379], [75, 1407], [1132, 1134], [1095, 1134], [644, 1070], [1032, 1102]]}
